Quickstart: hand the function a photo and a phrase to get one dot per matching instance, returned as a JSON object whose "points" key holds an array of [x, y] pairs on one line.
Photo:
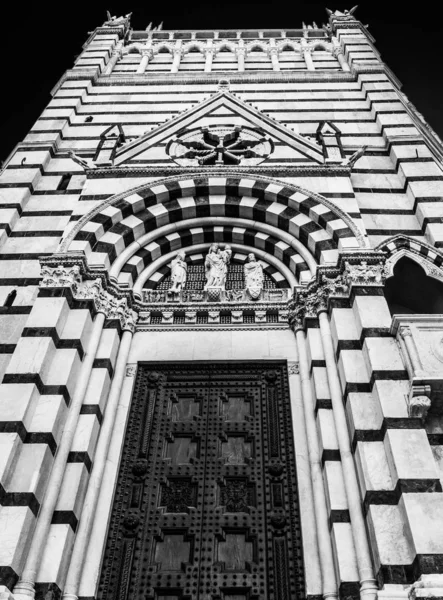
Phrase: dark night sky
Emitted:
{"points": [[39, 43]]}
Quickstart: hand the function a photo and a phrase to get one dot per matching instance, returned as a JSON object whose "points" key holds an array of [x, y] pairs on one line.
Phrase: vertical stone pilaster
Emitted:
{"points": [[209, 56], [273, 53], [90, 504], [176, 57]]}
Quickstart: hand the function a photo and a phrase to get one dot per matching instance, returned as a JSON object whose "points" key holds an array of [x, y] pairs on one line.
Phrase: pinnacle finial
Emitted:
{"points": [[346, 14], [113, 20]]}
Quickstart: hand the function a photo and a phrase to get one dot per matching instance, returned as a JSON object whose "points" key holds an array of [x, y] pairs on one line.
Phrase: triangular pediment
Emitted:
{"points": [[221, 109]]}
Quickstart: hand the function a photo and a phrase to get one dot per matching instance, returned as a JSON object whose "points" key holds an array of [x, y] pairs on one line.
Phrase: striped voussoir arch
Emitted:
{"points": [[188, 237], [400, 243], [237, 257], [316, 222]]}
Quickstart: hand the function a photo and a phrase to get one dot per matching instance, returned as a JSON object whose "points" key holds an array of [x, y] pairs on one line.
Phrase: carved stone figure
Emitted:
{"points": [[216, 267], [253, 271], [61, 276], [363, 273], [179, 273], [352, 160], [226, 257]]}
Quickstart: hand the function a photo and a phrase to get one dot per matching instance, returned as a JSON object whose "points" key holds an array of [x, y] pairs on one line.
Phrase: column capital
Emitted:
{"points": [[405, 331], [72, 274], [419, 401], [336, 51], [147, 52]]}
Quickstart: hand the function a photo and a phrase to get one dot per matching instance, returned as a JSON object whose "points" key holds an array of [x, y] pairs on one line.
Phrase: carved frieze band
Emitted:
{"points": [[71, 277], [362, 269]]}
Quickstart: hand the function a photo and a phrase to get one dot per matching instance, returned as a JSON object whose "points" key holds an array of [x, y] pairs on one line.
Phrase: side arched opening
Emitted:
{"points": [[411, 291]]}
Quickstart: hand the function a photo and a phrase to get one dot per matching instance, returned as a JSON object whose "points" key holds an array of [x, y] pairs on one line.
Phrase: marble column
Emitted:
{"points": [[116, 55], [147, 55], [25, 587], [368, 585], [90, 503], [177, 55], [329, 581], [338, 53], [414, 357], [307, 54]]}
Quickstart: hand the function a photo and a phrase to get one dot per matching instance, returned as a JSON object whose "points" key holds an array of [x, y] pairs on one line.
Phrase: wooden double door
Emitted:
{"points": [[206, 504]]}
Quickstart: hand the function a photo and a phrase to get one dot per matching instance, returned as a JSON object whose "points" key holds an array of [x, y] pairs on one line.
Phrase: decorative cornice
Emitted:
{"points": [[234, 77], [244, 327], [270, 171], [363, 268]]}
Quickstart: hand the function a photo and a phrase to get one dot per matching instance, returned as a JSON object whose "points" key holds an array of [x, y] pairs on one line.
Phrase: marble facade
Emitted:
{"points": [[295, 146]]}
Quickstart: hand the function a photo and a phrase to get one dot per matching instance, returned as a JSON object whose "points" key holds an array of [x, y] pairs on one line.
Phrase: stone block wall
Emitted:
{"points": [[396, 188]]}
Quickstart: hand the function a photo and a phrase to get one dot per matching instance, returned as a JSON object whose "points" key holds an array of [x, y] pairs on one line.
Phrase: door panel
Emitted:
{"points": [[206, 503]]}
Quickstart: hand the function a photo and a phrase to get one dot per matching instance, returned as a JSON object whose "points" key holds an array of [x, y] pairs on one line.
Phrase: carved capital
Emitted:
{"points": [[61, 276], [147, 52], [105, 302], [419, 401], [405, 331], [312, 301], [293, 368], [117, 53], [364, 273], [336, 51], [131, 370]]}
